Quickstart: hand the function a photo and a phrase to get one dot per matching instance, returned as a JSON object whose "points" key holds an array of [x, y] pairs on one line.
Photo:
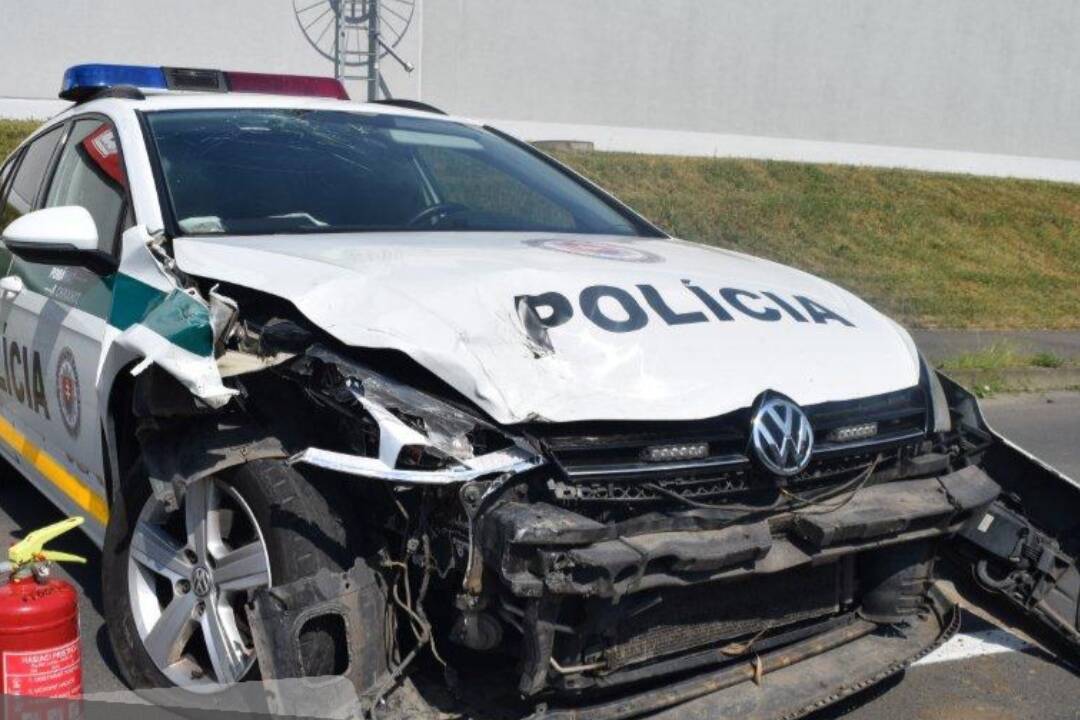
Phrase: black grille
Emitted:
{"points": [[899, 416], [610, 468], [694, 485], [603, 464], [609, 450]]}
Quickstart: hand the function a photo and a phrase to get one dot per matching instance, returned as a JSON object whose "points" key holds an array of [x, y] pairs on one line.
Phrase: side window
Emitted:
{"points": [[28, 177], [91, 175]]}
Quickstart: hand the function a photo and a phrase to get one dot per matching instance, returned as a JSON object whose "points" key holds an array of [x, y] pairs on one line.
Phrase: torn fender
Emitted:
{"points": [[180, 454], [155, 317]]}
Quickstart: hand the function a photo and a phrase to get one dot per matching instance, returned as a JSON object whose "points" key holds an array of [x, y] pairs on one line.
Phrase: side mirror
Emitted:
{"points": [[58, 236]]}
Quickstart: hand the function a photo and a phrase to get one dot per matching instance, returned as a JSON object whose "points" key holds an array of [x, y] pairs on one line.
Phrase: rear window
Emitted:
{"points": [[256, 171]]}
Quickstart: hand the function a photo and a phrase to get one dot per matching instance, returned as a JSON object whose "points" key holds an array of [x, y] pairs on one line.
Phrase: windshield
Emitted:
{"points": [[256, 171]]}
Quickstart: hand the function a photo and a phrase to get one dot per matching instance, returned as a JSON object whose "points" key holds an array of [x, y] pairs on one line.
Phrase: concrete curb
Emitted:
{"points": [[942, 345], [1031, 379]]}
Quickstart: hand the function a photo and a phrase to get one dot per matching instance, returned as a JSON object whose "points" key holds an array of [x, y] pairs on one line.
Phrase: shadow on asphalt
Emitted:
{"points": [[104, 648]]}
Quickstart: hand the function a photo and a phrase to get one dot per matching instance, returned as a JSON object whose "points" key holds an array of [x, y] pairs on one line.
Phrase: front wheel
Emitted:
{"points": [[176, 582]]}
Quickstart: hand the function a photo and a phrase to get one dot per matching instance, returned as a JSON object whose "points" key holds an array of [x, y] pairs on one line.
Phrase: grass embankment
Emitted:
{"points": [[1002, 367], [11, 134], [931, 250], [1004, 356]]}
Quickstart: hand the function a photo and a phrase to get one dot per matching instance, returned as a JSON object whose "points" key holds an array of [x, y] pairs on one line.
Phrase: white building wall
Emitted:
{"points": [[40, 38], [990, 86]]}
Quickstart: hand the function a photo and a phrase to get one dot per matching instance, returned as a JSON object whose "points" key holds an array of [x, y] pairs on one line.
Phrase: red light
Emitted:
{"points": [[303, 85]]}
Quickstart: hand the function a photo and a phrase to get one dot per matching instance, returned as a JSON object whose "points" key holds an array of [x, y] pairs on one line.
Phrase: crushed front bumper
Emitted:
{"points": [[601, 606], [791, 681], [540, 549]]}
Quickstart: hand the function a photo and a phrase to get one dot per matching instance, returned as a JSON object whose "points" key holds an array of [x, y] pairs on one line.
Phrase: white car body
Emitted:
{"points": [[448, 301]]}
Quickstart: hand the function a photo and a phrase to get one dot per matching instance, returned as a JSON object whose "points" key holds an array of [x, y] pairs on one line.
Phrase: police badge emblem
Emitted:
{"points": [[67, 391]]}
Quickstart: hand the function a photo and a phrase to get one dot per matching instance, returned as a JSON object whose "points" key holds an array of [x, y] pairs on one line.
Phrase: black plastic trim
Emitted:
{"points": [[86, 94], [97, 261], [878, 442], [410, 105], [581, 472]]}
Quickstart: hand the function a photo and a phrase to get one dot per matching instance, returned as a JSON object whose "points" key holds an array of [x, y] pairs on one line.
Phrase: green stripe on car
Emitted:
{"points": [[175, 315], [123, 301]]}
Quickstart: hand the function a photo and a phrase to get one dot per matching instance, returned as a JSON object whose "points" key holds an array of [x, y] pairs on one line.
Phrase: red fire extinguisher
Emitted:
{"points": [[39, 623]]}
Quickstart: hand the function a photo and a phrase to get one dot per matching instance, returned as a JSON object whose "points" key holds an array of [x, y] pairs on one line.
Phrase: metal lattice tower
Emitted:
{"points": [[356, 35]]}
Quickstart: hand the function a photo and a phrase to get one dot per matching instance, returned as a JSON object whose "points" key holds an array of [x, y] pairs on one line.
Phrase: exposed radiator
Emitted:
{"points": [[684, 619]]}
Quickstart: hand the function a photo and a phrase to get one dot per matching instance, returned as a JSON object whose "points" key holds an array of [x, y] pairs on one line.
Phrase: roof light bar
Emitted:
{"points": [[81, 82], [304, 85], [195, 79]]}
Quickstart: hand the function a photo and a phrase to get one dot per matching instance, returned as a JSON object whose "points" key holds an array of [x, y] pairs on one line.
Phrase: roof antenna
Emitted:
{"points": [[356, 35]]}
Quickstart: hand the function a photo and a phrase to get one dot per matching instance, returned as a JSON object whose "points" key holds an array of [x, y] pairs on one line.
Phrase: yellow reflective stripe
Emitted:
{"points": [[55, 473]]}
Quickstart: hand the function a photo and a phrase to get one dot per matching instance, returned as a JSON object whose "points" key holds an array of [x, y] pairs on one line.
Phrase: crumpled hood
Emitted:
{"points": [[562, 327]]}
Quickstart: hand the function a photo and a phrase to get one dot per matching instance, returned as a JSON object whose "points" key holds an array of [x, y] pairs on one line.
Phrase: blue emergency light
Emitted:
{"points": [[82, 82]]}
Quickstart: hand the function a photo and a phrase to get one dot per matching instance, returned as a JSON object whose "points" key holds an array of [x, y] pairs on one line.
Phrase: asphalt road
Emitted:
{"points": [[990, 680], [1045, 424], [988, 673]]}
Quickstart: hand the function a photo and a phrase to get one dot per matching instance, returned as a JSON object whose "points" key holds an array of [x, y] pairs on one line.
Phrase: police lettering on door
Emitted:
{"points": [[22, 378]]}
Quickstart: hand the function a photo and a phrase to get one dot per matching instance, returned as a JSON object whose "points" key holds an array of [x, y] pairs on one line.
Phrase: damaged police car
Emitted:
{"points": [[364, 390]]}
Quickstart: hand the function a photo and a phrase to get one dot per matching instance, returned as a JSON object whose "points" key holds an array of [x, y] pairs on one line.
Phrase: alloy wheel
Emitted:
{"points": [[189, 573]]}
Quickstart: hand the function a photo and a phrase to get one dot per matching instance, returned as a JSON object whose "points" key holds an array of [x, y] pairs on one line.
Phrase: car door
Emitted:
{"points": [[20, 196], [56, 323]]}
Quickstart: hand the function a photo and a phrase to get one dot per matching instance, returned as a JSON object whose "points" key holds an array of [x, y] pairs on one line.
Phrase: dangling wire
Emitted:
{"points": [[851, 488], [402, 597]]}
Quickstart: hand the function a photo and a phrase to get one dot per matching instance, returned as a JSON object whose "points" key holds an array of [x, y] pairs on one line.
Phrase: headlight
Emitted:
{"points": [[421, 439]]}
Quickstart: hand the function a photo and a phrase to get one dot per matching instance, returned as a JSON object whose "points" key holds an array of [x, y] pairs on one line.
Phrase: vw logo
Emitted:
{"points": [[201, 582], [781, 436]]}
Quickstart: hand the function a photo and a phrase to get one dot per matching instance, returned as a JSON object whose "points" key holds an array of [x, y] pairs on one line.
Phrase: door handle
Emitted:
{"points": [[11, 284]]}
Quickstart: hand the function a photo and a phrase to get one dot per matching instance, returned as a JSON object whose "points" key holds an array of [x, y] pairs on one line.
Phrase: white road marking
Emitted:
{"points": [[976, 644]]}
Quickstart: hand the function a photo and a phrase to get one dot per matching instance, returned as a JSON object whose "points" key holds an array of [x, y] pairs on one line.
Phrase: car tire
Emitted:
{"points": [[302, 531]]}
